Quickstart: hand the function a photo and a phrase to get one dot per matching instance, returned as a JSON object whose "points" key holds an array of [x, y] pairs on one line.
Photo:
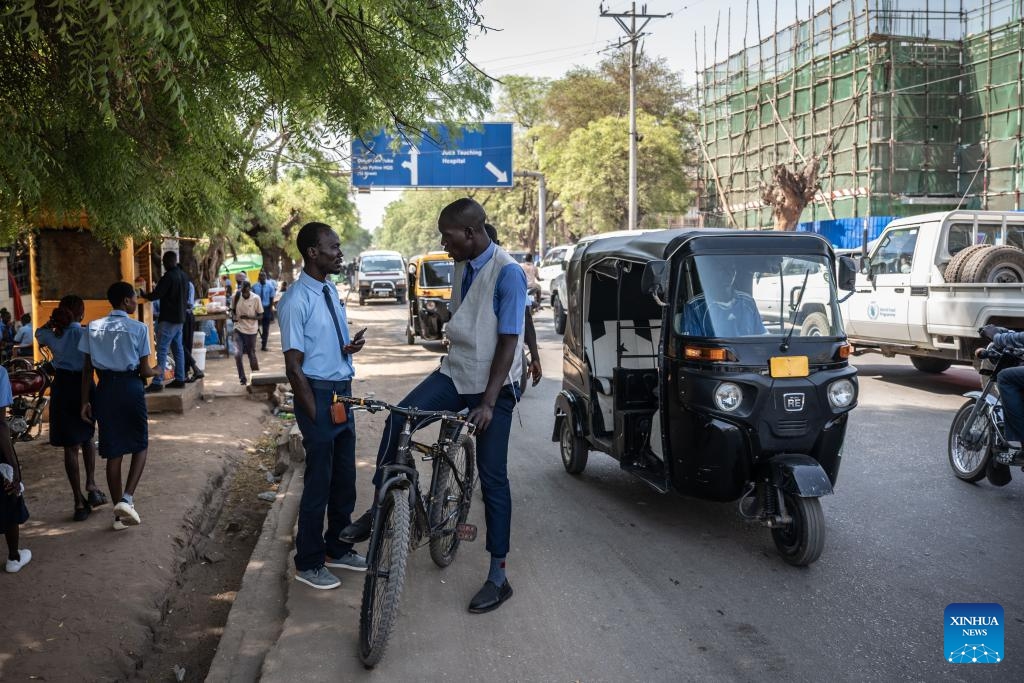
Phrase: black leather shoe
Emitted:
{"points": [[176, 384], [490, 597], [153, 388], [359, 530]]}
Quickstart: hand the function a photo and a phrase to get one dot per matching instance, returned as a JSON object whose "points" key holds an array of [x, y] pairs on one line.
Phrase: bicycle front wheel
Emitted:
{"points": [[385, 576], [451, 493]]}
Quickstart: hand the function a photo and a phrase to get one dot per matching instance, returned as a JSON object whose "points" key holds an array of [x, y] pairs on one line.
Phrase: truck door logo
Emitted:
{"points": [[872, 311], [793, 403]]}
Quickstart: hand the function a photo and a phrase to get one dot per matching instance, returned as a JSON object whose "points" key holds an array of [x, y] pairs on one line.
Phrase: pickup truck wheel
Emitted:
{"points": [[932, 365], [815, 325], [1003, 264], [955, 268], [559, 313]]}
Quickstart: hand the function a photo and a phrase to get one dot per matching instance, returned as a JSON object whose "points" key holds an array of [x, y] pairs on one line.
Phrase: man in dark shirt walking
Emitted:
{"points": [[172, 293]]}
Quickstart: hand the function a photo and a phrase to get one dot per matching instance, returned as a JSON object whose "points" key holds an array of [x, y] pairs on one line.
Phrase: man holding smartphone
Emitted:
{"points": [[318, 362]]}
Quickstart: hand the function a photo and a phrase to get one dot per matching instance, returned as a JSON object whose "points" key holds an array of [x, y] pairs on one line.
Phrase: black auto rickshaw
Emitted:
{"points": [[430, 290], [712, 363]]}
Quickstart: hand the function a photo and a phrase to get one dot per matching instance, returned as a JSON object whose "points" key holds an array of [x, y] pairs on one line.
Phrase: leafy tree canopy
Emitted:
{"points": [[148, 118]]}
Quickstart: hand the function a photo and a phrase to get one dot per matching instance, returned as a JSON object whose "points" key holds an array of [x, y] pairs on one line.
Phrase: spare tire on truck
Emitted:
{"points": [[1002, 264], [954, 270]]}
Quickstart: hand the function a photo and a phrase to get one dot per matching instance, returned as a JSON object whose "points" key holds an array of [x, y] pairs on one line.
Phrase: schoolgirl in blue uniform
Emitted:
{"points": [[62, 334], [117, 348]]}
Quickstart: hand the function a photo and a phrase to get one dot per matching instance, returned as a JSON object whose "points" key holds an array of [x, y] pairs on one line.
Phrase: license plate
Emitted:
{"points": [[789, 366]]}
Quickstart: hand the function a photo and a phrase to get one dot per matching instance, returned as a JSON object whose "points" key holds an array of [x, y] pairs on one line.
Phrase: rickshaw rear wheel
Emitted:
{"points": [[801, 542], [574, 449]]}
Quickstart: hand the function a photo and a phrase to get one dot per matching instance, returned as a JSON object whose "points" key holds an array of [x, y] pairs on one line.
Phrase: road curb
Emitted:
{"points": [[259, 610]]}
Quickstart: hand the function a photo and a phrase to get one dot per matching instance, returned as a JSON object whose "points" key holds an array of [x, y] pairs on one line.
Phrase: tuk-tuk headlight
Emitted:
{"points": [[840, 393], [728, 396], [430, 305]]}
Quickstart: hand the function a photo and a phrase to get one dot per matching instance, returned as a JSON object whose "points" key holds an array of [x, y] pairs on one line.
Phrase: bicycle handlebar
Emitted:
{"points": [[373, 405]]}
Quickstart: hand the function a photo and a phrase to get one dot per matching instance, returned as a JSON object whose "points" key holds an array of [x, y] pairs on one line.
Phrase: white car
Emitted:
{"points": [[551, 266]]}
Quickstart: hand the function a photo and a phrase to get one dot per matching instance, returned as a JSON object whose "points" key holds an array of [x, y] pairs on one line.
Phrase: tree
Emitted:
{"points": [[790, 191], [590, 172], [159, 117]]}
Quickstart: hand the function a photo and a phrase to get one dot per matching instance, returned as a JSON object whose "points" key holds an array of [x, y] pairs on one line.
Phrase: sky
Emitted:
{"points": [[542, 38]]}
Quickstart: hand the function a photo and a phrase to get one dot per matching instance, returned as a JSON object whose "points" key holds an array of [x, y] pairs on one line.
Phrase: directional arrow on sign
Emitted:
{"points": [[500, 175]]}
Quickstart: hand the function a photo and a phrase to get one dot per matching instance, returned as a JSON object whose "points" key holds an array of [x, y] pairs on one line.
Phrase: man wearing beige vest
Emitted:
{"points": [[486, 334]]}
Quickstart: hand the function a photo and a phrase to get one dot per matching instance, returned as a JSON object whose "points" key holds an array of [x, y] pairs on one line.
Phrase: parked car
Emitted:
{"points": [[551, 265], [931, 281], [381, 274]]}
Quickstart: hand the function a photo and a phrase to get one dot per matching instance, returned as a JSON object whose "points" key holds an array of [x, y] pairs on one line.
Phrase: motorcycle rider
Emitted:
{"points": [[532, 283], [1011, 391]]}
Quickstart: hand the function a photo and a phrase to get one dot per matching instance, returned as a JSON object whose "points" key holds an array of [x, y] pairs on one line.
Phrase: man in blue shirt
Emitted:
{"points": [[720, 310], [23, 337], [318, 362], [486, 329], [266, 290]]}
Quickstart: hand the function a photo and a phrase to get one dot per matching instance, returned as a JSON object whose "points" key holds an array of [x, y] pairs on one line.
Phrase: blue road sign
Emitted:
{"points": [[480, 157]]}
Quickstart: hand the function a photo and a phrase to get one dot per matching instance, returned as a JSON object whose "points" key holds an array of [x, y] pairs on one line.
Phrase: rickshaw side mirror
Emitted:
{"points": [[654, 280], [847, 277]]}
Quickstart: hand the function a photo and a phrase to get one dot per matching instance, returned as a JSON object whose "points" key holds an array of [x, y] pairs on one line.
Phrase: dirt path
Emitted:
{"points": [[100, 605]]}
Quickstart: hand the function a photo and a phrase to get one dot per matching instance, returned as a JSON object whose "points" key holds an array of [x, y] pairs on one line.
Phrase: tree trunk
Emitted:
{"points": [[790, 192], [209, 266], [274, 255], [187, 261]]}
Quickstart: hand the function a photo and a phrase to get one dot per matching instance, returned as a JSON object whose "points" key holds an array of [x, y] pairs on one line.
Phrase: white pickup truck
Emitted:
{"points": [[931, 281]]}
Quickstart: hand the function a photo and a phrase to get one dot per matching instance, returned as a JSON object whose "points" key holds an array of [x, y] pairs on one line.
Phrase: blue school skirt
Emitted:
{"points": [[119, 406], [67, 428]]}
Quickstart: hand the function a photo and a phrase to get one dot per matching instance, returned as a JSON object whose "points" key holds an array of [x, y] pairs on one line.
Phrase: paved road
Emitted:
{"points": [[617, 583]]}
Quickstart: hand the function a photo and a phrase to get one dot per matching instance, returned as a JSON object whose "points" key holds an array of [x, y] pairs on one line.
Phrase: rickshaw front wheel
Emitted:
{"points": [[574, 448], [801, 541]]}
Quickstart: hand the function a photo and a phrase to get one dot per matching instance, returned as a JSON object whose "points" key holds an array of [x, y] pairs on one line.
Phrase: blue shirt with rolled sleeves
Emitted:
{"points": [[509, 291], [307, 326], [6, 396], [115, 342], [66, 355]]}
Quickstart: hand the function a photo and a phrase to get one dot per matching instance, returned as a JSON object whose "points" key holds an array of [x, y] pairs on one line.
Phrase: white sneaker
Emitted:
{"points": [[24, 557], [126, 511], [119, 525]]}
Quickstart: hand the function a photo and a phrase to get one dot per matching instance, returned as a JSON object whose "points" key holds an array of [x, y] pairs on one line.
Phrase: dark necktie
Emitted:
{"points": [[467, 279], [334, 316]]}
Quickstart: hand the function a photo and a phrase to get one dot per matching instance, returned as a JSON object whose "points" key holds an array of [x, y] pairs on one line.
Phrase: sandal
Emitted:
{"points": [[82, 513], [97, 498]]}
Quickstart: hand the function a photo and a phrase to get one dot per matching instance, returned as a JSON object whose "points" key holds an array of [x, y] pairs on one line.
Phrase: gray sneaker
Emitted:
{"points": [[350, 560], [318, 578]]}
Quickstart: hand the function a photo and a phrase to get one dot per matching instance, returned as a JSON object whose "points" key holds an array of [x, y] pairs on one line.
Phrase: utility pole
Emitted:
{"points": [[542, 202], [633, 35]]}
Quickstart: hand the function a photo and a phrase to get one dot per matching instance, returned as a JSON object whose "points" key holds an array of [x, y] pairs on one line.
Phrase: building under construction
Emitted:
{"points": [[912, 106]]}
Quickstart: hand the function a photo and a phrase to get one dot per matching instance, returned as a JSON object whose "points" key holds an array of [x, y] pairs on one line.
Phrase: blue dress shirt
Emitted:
{"points": [[307, 326], [66, 355], [6, 395], [510, 298], [116, 342], [23, 337], [265, 292]]}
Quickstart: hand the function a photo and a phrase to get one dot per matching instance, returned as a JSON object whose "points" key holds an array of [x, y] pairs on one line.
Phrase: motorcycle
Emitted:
{"points": [[30, 383], [978, 447], [534, 294]]}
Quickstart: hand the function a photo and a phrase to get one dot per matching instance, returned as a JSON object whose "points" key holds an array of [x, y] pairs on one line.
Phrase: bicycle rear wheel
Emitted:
{"points": [[450, 501], [385, 576]]}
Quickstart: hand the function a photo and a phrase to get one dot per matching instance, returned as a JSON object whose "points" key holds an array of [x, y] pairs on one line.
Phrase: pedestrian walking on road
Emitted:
{"points": [[172, 293], [266, 290], [318, 361], [117, 347], [13, 512], [486, 333], [248, 312], [62, 335]]}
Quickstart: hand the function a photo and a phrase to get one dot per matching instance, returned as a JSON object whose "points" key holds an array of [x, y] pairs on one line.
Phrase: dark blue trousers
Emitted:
{"points": [[1011, 392], [437, 392], [330, 479]]}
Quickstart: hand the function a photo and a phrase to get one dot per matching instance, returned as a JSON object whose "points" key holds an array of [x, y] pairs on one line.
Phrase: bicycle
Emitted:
{"points": [[403, 517]]}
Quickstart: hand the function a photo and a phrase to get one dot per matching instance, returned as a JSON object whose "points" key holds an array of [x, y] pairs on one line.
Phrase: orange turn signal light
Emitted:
{"points": [[844, 351], [705, 353]]}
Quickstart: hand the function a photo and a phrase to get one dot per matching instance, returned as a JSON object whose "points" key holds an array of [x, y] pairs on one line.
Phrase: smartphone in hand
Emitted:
{"points": [[359, 334]]}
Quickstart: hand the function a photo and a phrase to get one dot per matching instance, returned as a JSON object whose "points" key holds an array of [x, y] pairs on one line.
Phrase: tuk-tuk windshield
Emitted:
{"points": [[436, 274], [727, 295]]}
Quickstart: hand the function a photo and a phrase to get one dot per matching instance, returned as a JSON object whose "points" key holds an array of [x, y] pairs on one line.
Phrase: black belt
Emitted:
{"points": [[117, 373], [330, 384]]}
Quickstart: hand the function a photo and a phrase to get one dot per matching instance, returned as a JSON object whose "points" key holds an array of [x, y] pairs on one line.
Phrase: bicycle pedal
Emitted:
{"points": [[466, 532]]}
